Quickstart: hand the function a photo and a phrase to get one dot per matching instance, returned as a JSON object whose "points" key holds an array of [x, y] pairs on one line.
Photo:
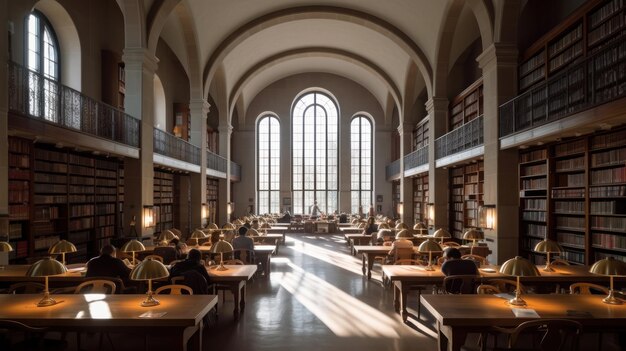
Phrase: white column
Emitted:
{"points": [[437, 109], [199, 108], [406, 185], [224, 184]]}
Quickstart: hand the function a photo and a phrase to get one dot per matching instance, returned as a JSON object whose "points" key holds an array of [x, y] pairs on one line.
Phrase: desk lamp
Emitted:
{"points": [[441, 234], [548, 246], [473, 235], [401, 226], [611, 267], [5, 247], [166, 236], [43, 268], [429, 246], [518, 267], [62, 247], [221, 247], [197, 235], [147, 270], [133, 246], [420, 228]]}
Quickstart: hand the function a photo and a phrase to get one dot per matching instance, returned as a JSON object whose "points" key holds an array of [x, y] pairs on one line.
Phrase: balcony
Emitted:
{"points": [[596, 80], [416, 162], [235, 172], [462, 143], [169, 145], [34, 96], [392, 171], [215, 162]]}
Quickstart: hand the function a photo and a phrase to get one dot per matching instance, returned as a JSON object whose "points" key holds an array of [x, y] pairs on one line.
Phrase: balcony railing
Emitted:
{"points": [[35, 96], [416, 158], [169, 145], [595, 80], [468, 136], [235, 171], [215, 162], [393, 170]]}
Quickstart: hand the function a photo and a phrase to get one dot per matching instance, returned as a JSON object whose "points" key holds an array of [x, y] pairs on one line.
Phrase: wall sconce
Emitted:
{"points": [[149, 220], [400, 209], [430, 214], [230, 207], [205, 212], [487, 216]]}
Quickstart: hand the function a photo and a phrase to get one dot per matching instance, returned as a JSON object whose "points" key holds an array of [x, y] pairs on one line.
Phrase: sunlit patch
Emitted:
{"points": [[341, 260], [99, 310], [94, 297]]}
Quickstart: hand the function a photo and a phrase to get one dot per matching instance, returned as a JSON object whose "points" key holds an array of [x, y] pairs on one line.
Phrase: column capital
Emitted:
{"points": [[405, 128], [201, 105], [140, 58], [225, 129], [501, 53], [436, 104]]}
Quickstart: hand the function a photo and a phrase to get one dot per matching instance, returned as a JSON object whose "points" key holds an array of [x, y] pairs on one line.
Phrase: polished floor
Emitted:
{"points": [[316, 298]]}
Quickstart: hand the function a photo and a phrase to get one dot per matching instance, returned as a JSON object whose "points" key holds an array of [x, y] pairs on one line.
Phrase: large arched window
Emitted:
{"points": [[42, 55], [268, 139], [361, 163], [315, 153]]}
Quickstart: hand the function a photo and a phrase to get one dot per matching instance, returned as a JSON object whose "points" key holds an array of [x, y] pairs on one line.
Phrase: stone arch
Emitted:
{"points": [[160, 118]]}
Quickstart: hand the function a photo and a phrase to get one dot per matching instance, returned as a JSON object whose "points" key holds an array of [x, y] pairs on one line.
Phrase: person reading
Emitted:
{"points": [[107, 265], [455, 265]]}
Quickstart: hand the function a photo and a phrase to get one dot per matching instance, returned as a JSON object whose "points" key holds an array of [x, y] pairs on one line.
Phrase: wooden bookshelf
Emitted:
{"points": [[395, 197], [212, 199], [420, 198], [213, 140], [106, 201], [467, 105], [456, 202], [81, 206], [466, 195], [420, 134], [113, 79], [182, 121], [163, 200], [20, 151], [584, 204]]}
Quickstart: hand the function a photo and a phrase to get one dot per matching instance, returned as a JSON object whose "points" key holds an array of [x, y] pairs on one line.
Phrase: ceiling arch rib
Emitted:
{"points": [[362, 19], [348, 59], [157, 17]]}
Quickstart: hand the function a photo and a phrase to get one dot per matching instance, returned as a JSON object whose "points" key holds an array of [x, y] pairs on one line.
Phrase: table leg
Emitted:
{"points": [[370, 265], [404, 293], [352, 247], [277, 244], [396, 296], [363, 264], [237, 297], [242, 304], [266, 269], [450, 339]]}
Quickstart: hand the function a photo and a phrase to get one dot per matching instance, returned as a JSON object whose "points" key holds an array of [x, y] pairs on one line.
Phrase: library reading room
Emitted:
{"points": [[304, 175]]}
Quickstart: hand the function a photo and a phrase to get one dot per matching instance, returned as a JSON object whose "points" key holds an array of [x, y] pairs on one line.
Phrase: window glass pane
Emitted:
{"points": [[268, 164]]}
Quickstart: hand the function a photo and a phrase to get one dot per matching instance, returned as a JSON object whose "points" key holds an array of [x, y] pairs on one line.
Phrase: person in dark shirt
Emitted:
{"points": [[454, 265], [106, 265], [371, 229], [192, 262], [242, 241]]}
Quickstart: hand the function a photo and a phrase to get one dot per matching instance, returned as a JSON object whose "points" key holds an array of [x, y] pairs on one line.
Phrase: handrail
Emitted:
{"points": [[592, 81], [171, 146], [416, 158], [468, 136], [235, 171], [215, 161], [35, 96], [392, 171]]}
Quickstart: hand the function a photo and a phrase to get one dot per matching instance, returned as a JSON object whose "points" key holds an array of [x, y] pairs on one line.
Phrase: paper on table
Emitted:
{"points": [[525, 313], [506, 296], [152, 314], [79, 269]]}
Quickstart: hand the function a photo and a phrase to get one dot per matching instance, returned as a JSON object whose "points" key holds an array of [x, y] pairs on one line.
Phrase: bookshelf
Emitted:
{"points": [[466, 195], [395, 197], [121, 221], [456, 202], [106, 200], [163, 200], [113, 79], [420, 198], [81, 197], [420, 134], [19, 196], [213, 140], [467, 105], [584, 205], [212, 199], [182, 122]]}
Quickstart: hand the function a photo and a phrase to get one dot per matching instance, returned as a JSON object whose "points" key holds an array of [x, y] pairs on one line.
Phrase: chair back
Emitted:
{"points": [[451, 244], [559, 262], [174, 289], [587, 288], [26, 288], [486, 289], [245, 255], [234, 261], [411, 262], [194, 280], [506, 285], [167, 253], [555, 334], [476, 258], [96, 286], [404, 253], [460, 284], [155, 257]]}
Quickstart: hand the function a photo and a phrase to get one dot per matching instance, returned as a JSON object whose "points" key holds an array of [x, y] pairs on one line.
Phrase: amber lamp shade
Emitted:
{"points": [[133, 246], [45, 268], [441, 234], [5, 247], [473, 235], [221, 247], [429, 246], [401, 226], [62, 247], [420, 228], [197, 235], [147, 270], [548, 246], [518, 267], [166, 236], [611, 267]]}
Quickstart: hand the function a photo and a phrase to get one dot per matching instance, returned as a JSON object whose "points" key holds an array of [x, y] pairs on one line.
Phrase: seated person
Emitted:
{"points": [[106, 265], [193, 262], [247, 224], [371, 228], [402, 242], [255, 224], [383, 236], [454, 265], [286, 218], [181, 248], [343, 218], [241, 241]]}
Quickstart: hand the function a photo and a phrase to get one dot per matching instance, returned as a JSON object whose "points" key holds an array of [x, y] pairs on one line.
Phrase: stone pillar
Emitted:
{"points": [[223, 192], [199, 108], [140, 66], [406, 185], [4, 110], [499, 65], [437, 109]]}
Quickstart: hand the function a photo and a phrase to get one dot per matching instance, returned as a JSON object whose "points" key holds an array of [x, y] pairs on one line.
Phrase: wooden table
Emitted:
{"points": [[263, 254], [182, 318], [278, 230], [273, 239], [350, 230], [359, 239], [235, 278], [458, 315]]}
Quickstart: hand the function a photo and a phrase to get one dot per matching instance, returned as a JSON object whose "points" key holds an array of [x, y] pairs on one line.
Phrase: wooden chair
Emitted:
{"points": [[26, 288], [506, 285], [559, 262], [440, 260], [554, 334], [174, 289], [33, 337], [234, 262], [98, 286], [460, 284], [417, 288], [411, 261], [245, 255], [480, 259], [486, 289], [155, 257], [451, 244], [587, 288]]}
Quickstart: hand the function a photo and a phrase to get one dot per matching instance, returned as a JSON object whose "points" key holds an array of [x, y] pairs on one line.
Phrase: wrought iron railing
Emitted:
{"points": [[595, 80], [392, 171], [235, 171], [169, 145], [416, 158], [468, 136], [215, 162], [35, 96]]}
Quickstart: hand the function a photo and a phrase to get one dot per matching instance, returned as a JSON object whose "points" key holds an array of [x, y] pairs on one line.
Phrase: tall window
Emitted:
{"points": [[361, 163], [43, 58], [315, 153], [268, 137]]}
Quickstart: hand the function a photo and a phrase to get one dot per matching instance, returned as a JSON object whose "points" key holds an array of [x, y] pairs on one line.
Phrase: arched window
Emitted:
{"points": [[361, 163], [315, 153], [268, 139], [42, 55]]}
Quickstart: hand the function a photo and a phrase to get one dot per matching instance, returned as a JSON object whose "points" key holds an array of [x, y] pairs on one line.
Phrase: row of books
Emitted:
{"points": [[529, 243], [569, 206], [604, 141], [471, 189], [82, 210], [19, 174], [78, 198], [18, 160], [107, 220], [101, 173], [18, 191], [573, 35], [80, 223], [534, 204], [47, 228], [45, 242], [81, 189], [608, 223], [568, 222], [50, 167], [568, 193], [81, 170], [609, 241], [46, 213], [572, 147], [538, 183], [105, 232], [602, 255], [608, 207], [49, 199], [530, 79], [15, 231], [82, 180], [535, 155], [609, 158], [605, 29], [570, 180], [608, 191], [571, 164], [51, 156], [19, 212], [604, 12], [50, 188], [105, 182], [537, 216], [570, 239], [538, 230], [532, 170], [532, 63], [608, 176], [105, 191], [81, 160], [566, 56], [79, 237], [18, 145], [105, 209], [50, 178], [574, 256]]}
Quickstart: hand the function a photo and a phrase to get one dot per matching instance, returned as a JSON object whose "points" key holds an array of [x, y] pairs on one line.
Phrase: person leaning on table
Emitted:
{"points": [[106, 265], [455, 265]]}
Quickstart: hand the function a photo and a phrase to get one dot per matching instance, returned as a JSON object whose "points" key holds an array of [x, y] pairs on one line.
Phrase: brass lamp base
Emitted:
{"points": [[517, 301], [611, 299], [46, 301], [548, 268], [150, 301], [221, 267], [429, 268]]}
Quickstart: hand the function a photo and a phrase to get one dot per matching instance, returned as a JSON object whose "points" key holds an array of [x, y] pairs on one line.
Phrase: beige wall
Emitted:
{"points": [[278, 99], [174, 79]]}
